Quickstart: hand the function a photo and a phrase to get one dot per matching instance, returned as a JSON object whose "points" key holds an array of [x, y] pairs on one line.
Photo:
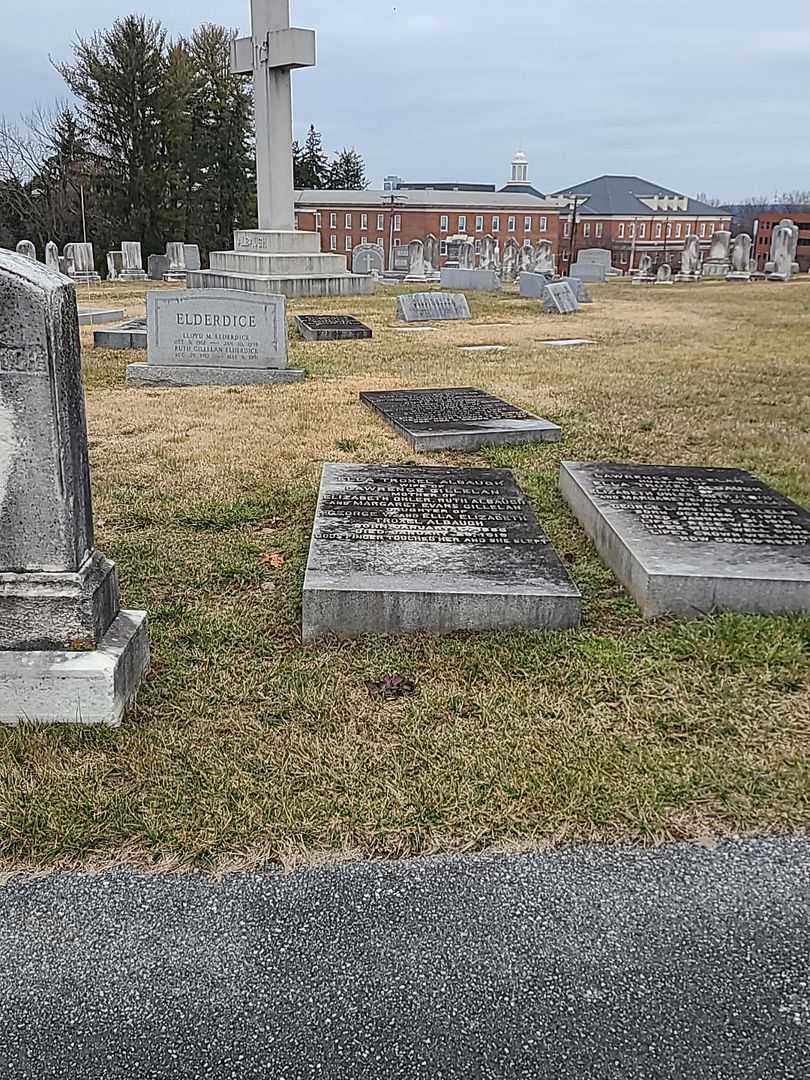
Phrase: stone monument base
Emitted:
{"points": [[472, 280], [86, 277], [98, 316], [287, 263], [178, 277], [132, 275], [192, 375], [93, 687]]}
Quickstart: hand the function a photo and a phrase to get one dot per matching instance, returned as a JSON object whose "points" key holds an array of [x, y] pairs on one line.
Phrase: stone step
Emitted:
{"points": [[272, 241], [291, 287], [278, 265]]}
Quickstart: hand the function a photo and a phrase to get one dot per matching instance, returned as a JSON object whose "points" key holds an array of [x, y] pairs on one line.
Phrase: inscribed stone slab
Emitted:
{"points": [[472, 280], [404, 549], [127, 335], [559, 298], [458, 418], [331, 328], [532, 285], [426, 307], [688, 541]]}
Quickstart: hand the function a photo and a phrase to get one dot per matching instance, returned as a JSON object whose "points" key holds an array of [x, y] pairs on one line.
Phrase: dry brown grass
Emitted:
{"points": [[247, 746]]}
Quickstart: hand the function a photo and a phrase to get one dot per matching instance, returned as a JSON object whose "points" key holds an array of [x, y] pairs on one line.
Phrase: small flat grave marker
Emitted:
{"points": [[483, 348], [403, 549], [459, 418], [331, 328], [689, 541], [127, 335], [560, 342], [98, 316], [427, 307], [559, 298]]}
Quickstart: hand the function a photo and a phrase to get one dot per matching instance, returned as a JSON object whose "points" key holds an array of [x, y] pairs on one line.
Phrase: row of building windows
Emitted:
{"points": [[462, 222], [659, 230]]}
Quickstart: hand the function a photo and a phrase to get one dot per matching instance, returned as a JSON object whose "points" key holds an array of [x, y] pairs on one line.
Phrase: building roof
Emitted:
{"points": [[623, 195], [428, 199], [522, 189]]}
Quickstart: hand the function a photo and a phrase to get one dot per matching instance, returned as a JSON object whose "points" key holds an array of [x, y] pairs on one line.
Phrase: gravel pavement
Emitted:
{"points": [[583, 964]]}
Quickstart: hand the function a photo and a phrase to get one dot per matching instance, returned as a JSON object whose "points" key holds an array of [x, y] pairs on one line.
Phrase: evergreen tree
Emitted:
{"points": [[348, 172], [314, 166]]}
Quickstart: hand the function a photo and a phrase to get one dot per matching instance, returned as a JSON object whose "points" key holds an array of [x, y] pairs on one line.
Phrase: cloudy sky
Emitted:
{"points": [[698, 95]]}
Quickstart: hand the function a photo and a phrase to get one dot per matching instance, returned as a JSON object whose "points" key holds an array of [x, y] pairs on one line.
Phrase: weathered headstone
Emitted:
{"points": [[644, 274], [559, 299], [157, 267], [68, 654], [126, 335], [132, 261], [52, 260], [466, 258], [589, 271], [579, 289], [533, 285], [416, 261], [214, 337], [27, 249], [718, 263], [331, 328], [740, 258], [784, 243], [368, 259], [544, 259], [191, 254], [690, 260], [404, 549], [664, 275], [81, 264], [511, 261], [488, 254], [471, 280], [425, 307], [432, 257], [459, 418], [176, 254], [115, 264], [689, 541], [401, 259], [599, 256]]}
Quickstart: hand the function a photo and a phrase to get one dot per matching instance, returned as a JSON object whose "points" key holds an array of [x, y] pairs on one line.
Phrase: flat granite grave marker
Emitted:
{"points": [[458, 418], [126, 335], [214, 337], [559, 299], [427, 307], [68, 653], [688, 541], [331, 328], [405, 549]]}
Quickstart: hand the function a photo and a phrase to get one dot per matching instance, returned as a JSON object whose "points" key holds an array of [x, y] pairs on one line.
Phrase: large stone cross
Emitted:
{"points": [[270, 54]]}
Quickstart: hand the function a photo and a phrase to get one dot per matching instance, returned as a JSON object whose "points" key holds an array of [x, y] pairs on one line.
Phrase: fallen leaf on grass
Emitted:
{"points": [[275, 560], [392, 686]]}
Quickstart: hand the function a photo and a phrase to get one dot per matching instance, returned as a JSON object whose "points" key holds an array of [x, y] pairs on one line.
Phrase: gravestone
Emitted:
{"points": [[214, 337], [90, 316], [331, 328], [782, 264], [664, 275], [460, 418], [427, 307], [533, 285], [579, 290], [544, 259], [27, 250], [115, 264], [564, 342], [488, 254], [126, 335], [740, 258], [559, 299], [402, 258], [176, 254], [690, 260], [432, 257], [132, 261], [597, 256], [644, 274], [405, 549], [688, 541], [52, 260], [718, 263], [68, 654], [466, 255], [473, 280], [510, 267], [368, 259], [157, 266], [191, 254], [589, 271], [416, 261], [81, 264]]}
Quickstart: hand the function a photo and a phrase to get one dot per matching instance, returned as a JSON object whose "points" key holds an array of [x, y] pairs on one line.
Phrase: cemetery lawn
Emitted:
{"points": [[248, 747]]}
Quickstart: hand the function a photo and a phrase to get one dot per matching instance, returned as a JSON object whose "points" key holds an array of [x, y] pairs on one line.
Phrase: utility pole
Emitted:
{"points": [[633, 246], [575, 201]]}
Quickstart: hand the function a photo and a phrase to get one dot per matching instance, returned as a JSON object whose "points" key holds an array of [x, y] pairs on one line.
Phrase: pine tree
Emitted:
{"points": [[314, 167], [348, 172]]}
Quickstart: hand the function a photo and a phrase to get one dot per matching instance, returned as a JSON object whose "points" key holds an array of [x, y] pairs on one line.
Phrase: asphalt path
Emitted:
{"points": [[583, 964]]}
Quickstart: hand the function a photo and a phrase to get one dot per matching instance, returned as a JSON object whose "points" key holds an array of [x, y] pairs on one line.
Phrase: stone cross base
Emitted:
{"points": [[188, 375], [67, 687], [58, 611]]}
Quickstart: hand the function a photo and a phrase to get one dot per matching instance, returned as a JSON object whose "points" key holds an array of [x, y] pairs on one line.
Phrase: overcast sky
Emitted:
{"points": [[697, 95]]}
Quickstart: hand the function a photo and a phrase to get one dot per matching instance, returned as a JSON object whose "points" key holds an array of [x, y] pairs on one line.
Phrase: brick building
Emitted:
{"points": [[394, 218], [633, 217], [768, 222]]}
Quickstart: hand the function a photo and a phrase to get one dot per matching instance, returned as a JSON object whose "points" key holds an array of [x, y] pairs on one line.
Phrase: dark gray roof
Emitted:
{"points": [[523, 189], [623, 194], [412, 199]]}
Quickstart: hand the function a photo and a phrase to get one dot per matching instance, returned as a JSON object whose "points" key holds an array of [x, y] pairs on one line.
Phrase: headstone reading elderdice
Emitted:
{"points": [[784, 243], [533, 285], [132, 261], [81, 264], [427, 307], [27, 250], [115, 264], [461, 418], [740, 258], [157, 266], [689, 541], [559, 299], [403, 549], [68, 654], [214, 337], [368, 259], [52, 260], [331, 328]]}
